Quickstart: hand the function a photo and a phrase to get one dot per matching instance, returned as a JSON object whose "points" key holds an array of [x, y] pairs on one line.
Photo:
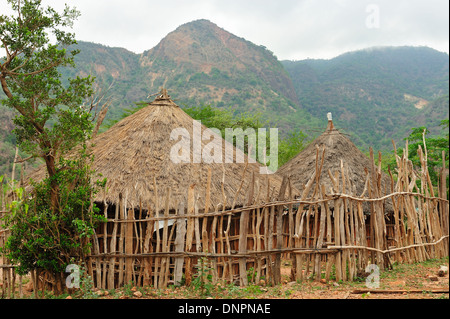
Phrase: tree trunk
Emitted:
{"points": [[54, 188]]}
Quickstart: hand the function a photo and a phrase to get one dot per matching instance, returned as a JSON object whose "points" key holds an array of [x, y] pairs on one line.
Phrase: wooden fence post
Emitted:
{"points": [[179, 244], [243, 232]]}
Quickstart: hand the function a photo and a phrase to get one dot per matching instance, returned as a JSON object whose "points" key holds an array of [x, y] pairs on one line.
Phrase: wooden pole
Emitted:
{"points": [[158, 240], [129, 247], [113, 248], [121, 240], [165, 244], [179, 244], [243, 232], [148, 247], [279, 229], [189, 233]]}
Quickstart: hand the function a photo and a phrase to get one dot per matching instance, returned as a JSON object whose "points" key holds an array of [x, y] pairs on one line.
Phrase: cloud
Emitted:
{"points": [[292, 29]]}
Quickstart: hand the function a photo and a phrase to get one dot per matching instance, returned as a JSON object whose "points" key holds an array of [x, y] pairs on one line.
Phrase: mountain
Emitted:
{"points": [[206, 64], [376, 94], [117, 72], [199, 63]]}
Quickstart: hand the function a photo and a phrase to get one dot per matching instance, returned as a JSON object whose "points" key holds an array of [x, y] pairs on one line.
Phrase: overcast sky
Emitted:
{"points": [[292, 29]]}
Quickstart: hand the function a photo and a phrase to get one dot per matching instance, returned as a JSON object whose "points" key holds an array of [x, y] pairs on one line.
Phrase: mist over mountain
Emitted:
{"points": [[375, 95]]}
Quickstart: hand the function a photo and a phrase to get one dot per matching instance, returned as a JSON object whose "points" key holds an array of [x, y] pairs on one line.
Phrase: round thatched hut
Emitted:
{"points": [[141, 158], [159, 160], [340, 155]]}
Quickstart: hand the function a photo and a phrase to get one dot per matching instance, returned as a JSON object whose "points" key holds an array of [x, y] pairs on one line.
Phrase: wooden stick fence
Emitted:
{"points": [[325, 233]]}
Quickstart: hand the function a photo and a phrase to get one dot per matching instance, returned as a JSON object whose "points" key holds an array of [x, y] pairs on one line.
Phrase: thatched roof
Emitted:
{"points": [[135, 153], [337, 148]]}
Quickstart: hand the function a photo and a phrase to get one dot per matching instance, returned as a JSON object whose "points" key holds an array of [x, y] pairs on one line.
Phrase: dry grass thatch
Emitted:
{"points": [[134, 156], [338, 149]]}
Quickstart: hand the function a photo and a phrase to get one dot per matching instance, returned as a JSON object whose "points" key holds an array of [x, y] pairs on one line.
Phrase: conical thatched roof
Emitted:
{"points": [[338, 148], [136, 152]]}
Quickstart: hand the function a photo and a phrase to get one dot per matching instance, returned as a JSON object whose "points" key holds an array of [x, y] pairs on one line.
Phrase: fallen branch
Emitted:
{"points": [[399, 291]]}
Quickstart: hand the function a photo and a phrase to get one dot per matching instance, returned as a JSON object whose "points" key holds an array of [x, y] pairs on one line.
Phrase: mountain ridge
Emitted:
{"points": [[374, 93]]}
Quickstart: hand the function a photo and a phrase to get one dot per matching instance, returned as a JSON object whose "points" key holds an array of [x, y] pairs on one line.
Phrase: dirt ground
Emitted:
{"points": [[416, 281]]}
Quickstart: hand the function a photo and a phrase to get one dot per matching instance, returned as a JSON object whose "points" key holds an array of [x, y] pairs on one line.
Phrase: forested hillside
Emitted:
{"points": [[375, 95]]}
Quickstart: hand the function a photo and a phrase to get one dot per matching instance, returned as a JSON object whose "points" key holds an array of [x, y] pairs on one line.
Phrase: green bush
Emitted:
{"points": [[42, 238]]}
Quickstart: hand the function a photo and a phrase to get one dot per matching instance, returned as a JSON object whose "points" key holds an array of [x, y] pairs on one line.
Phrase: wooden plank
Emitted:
{"points": [[165, 244], [105, 245], [270, 274], [319, 243], [315, 209], [129, 247], [139, 243], [148, 247], [198, 240], [113, 248], [97, 261], [400, 291], [353, 253], [443, 195], [343, 223], [265, 216], [279, 234], [190, 232], [259, 220], [221, 245], [397, 229], [362, 234], [205, 244], [299, 242], [212, 247], [279, 229], [253, 221], [179, 244], [307, 239], [228, 265], [158, 239], [168, 264], [376, 214], [121, 240], [291, 239], [337, 238], [243, 232]]}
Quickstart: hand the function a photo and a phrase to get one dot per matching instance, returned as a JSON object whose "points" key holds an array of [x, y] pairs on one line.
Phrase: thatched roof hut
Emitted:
{"points": [[338, 149], [135, 156]]}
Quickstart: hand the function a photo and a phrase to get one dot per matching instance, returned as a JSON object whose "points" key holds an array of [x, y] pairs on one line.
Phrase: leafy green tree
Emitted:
{"points": [[222, 118], [41, 239], [290, 146], [52, 118]]}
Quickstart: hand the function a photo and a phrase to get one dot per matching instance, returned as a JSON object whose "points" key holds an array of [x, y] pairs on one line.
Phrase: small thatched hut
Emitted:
{"points": [[339, 150]]}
